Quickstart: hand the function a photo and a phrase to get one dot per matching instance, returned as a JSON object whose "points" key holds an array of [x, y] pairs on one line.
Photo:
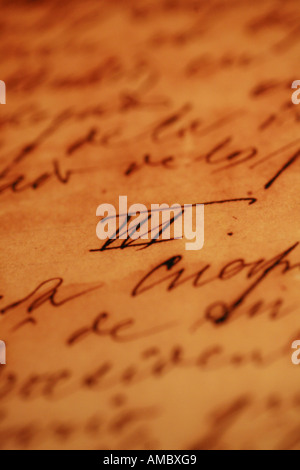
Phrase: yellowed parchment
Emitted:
{"points": [[165, 102]]}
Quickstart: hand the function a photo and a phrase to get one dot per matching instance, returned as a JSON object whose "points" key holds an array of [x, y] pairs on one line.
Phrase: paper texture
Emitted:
{"points": [[183, 102]]}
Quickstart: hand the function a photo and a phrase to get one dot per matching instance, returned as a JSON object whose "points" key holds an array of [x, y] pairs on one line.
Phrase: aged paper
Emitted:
{"points": [[120, 346]]}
